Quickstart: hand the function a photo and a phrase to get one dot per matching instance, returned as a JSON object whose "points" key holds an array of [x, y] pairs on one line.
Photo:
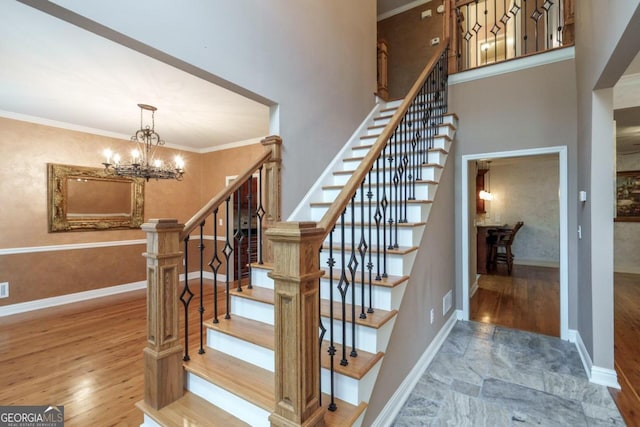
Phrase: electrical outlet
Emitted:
{"points": [[220, 221], [435, 41], [432, 316], [4, 290]]}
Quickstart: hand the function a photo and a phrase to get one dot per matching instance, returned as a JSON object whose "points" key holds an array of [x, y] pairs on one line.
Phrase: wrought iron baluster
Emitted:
{"points": [[186, 296], [228, 253], [384, 203], [362, 248], [378, 216], [250, 227], [238, 237], [526, 34], [215, 264], [201, 274], [343, 288], [332, 348], [353, 270], [260, 215], [370, 227], [322, 333]]}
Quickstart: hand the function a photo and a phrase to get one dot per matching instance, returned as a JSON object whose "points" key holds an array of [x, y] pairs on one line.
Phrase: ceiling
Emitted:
{"points": [[56, 73]]}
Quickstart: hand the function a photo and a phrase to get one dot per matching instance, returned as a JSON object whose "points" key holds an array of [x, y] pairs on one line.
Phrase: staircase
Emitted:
{"points": [[232, 382]]}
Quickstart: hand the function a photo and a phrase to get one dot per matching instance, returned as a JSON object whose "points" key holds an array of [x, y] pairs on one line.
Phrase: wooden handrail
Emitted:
{"points": [[340, 203], [223, 195]]}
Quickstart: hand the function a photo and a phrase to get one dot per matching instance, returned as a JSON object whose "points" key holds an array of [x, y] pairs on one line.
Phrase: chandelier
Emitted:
{"points": [[143, 163]]}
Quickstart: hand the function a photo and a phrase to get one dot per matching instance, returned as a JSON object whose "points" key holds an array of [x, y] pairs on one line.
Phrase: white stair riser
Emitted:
{"points": [[235, 405], [437, 157], [349, 389], [397, 265], [260, 277], [427, 173], [385, 117], [409, 131], [407, 236], [421, 190], [416, 212], [382, 298], [251, 309], [368, 339], [439, 141], [249, 352]]}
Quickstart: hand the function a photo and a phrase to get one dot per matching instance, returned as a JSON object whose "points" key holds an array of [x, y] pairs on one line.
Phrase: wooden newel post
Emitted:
{"points": [[383, 70], [272, 190], [163, 374], [297, 366]]}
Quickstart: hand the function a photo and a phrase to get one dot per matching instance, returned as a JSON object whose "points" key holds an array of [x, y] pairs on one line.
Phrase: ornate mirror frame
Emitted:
{"points": [[59, 218]]}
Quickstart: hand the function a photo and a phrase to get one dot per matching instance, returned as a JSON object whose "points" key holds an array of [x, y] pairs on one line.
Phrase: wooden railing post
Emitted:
{"points": [[297, 358], [450, 31], [163, 375], [383, 70], [568, 31], [272, 189]]}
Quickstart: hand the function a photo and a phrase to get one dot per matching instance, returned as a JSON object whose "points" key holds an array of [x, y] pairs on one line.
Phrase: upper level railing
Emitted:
{"points": [[485, 32]]}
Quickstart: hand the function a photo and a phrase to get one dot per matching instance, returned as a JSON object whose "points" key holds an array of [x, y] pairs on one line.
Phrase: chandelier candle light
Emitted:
{"points": [[143, 163]]}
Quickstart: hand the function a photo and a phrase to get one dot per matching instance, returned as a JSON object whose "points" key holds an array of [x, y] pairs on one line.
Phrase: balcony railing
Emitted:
{"points": [[485, 32]]}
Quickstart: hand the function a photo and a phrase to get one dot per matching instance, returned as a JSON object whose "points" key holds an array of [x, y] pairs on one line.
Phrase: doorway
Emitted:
{"points": [[469, 225]]}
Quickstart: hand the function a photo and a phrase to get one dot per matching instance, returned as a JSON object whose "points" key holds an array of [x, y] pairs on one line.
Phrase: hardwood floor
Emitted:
{"points": [[627, 345], [86, 356], [529, 300]]}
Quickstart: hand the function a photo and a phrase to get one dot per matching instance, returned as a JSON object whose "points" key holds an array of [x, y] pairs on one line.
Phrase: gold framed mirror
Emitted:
{"points": [[85, 198]]}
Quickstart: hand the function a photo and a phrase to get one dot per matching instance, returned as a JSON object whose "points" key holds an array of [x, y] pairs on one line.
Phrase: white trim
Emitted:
{"points": [[402, 393], [564, 228], [597, 375], [24, 307], [71, 246], [401, 9], [475, 286], [537, 263], [549, 57]]}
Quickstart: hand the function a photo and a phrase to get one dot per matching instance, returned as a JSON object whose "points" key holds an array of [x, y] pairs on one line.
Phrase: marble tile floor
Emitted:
{"points": [[485, 375]]}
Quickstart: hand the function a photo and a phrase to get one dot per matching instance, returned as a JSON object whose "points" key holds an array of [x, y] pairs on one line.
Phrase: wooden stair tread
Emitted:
{"points": [[373, 320], [369, 146], [411, 153], [400, 250], [357, 366], [351, 171], [358, 203], [345, 415], [257, 293], [191, 410], [252, 331], [243, 379], [419, 181], [385, 282]]}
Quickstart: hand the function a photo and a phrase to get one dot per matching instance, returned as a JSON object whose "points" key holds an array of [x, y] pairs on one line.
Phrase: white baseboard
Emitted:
{"points": [[474, 287], [402, 393], [537, 263], [24, 307], [597, 375]]}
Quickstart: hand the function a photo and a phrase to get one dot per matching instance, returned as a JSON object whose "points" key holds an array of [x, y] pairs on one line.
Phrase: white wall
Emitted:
{"points": [[314, 60], [626, 256], [526, 189]]}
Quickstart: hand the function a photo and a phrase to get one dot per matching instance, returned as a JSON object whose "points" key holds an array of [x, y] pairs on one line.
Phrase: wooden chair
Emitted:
{"points": [[501, 247]]}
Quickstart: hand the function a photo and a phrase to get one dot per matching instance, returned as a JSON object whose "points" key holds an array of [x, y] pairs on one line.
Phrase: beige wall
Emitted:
{"points": [[27, 148], [408, 37], [626, 255]]}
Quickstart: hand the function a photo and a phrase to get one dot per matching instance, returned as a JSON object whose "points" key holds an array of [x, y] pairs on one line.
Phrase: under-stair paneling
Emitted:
{"points": [[432, 276]]}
